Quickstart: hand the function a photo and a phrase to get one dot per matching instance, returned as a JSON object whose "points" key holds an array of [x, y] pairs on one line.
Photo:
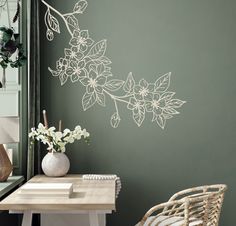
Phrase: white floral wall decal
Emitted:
{"points": [[84, 61]]}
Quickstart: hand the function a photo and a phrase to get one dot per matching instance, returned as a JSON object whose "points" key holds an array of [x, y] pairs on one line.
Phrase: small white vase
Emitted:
{"points": [[55, 164]]}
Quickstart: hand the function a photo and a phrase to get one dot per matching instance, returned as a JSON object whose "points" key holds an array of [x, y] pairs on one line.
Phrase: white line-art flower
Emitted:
{"points": [[81, 39], [73, 53], [144, 90], [156, 104], [62, 64], [85, 62], [76, 70], [94, 82]]}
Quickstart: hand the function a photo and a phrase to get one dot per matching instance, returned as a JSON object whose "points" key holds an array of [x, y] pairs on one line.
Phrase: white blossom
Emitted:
{"points": [[33, 133], [57, 136], [57, 140], [41, 128], [65, 132], [78, 128], [85, 133]]}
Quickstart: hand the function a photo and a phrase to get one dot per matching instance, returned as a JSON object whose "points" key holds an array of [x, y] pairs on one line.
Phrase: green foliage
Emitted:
{"points": [[9, 44]]}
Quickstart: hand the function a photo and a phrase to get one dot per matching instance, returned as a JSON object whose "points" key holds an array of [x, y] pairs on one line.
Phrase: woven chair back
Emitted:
{"points": [[201, 205], [204, 203]]}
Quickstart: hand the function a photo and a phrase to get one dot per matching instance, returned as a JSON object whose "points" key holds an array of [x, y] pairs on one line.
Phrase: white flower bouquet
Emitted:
{"points": [[57, 140]]}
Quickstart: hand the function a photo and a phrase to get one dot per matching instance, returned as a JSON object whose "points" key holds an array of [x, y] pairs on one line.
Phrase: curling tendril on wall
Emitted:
{"points": [[84, 61]]}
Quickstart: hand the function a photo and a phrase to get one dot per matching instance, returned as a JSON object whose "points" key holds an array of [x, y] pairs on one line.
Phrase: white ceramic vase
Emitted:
{"points": [[55, 164]]}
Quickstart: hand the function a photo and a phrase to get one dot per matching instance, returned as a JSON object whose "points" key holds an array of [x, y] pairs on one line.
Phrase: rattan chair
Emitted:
{"points": [[199, 206]]}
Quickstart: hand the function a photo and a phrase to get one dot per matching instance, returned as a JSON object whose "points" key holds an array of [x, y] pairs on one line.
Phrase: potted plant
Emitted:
{"points": [[10, 46], [56, 163]]}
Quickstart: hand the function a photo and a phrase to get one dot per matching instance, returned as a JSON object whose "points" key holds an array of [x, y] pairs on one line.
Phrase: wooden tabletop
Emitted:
{"points": [[87, 195]]}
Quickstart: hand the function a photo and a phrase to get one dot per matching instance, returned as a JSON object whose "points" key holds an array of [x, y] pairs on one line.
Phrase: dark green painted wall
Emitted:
{"points": [[195, 40]]}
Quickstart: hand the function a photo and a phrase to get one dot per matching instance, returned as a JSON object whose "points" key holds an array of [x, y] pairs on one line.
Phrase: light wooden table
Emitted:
{"points": [[93, 197]]}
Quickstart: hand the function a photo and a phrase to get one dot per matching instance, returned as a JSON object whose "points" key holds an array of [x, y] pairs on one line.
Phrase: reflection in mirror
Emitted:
{"points": [[11, 95], [9, 133]]}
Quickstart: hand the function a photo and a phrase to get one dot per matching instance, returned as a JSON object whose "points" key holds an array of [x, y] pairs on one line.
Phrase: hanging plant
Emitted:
{"points": [[10, 44]]}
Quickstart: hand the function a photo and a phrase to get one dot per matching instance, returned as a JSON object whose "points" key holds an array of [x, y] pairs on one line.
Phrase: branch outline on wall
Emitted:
{"points": [[85, 62]]}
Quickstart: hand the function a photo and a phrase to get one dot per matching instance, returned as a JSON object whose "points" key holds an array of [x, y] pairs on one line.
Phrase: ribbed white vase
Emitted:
{"points": [[55, 164]]}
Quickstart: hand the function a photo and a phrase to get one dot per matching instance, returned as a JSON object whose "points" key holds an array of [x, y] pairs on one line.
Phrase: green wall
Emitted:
{"points": [[195, 40]]}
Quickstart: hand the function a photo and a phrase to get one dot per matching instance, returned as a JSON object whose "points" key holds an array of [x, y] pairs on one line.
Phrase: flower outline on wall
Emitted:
{"points": [[144, 90], [85, 62], [76, 70], [94, 82], [81, 39], [73, 53]]}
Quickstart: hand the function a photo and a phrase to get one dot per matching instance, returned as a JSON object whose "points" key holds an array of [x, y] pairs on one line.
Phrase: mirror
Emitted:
{"points": [[10, 96]]}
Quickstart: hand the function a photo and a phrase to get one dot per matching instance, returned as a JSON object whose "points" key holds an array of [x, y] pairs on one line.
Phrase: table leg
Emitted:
{"points": [[103, 219], [93, 218], [27, 218]]}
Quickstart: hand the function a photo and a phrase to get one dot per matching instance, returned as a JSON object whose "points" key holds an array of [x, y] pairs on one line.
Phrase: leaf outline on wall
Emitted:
{"points": [[74, 78], [167, 95], [140, 116], [98, 49], [161, 121], [53, 72], [176, 103], [100, 68], [129, 83], [101, 99], [162, 83], [170, 111], [53, 22], [63, 77], [114, 84], [80, 6], [105, 60], [72, 21], [88, 100]]}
